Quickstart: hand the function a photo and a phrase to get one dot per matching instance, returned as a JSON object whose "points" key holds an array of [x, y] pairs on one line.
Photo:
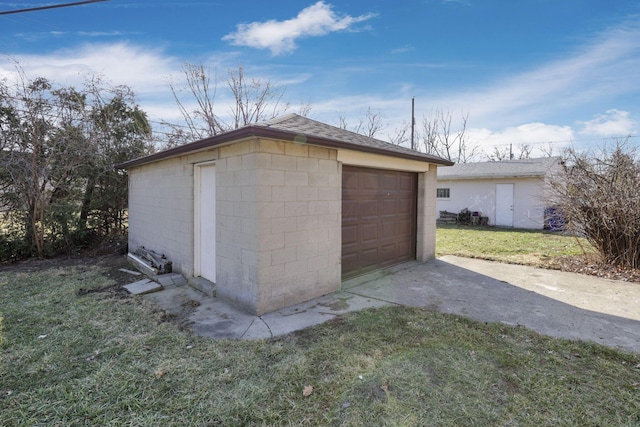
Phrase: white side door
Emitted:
{"points": [[504, 205], [205, 221]]}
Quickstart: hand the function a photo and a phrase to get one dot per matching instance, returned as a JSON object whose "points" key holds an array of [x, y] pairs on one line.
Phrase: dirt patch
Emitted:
{"points": [[113, 266], [339, 304], [112, 291], [372, 391]]}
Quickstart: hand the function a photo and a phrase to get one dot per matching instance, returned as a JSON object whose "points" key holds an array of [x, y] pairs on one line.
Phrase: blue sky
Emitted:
{"points": [[525, 71]]}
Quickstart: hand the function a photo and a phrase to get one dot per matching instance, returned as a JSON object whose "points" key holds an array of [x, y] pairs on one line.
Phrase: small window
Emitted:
{"points": [[442, 193]]}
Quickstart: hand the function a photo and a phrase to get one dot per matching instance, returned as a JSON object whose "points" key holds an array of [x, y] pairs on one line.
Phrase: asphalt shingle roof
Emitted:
{"points": [[297, 128], [305, 126], [504, 169]]}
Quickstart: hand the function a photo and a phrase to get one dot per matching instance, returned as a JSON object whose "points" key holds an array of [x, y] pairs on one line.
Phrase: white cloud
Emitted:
{"points": [[610, 124], [403, 49], [136, 66], [143, 69], [280, 36], [44, 36], [538, 136], [606, 68]]}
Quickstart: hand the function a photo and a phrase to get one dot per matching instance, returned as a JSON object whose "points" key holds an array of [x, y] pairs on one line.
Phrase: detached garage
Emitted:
{"points": [[278, 213]]}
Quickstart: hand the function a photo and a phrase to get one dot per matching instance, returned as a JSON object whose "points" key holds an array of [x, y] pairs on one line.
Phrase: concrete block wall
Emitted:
{"points": [[426, 226], [278, 214], [283, 202], [236, 224], [161, 211]]}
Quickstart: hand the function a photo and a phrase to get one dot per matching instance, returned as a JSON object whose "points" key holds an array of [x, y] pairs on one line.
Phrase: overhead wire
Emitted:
{"points": [[53, 6]]}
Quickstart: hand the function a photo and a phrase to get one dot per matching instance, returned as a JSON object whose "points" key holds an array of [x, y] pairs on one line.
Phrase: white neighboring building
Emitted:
{"points": [[509, 193]]}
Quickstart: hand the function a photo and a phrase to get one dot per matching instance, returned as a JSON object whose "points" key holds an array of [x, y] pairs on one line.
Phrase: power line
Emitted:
{"points": [[55, 6], [567, 141]]}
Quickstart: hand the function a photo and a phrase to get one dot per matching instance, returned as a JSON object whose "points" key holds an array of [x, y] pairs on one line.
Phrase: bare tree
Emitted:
{"points": [[399, 135], [119, 132], [255, 100], [305, 108], [548, 150], [342, 121], [252, 101], [59, 150], [202, 121], [505, 152], [440, 139], [524, 151], [500, 154], [599, 197], [370, 125]]}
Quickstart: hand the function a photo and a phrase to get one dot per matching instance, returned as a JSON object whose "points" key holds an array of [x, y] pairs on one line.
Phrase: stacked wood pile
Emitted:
{"points": [[447, 217], [464, 217]]}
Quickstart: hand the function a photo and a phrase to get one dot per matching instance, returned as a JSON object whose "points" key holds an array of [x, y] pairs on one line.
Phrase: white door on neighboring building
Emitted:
{"points": [[205, 221], [504, 205]]}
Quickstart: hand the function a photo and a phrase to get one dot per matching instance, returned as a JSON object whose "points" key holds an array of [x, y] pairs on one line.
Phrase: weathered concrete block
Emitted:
{"points": [[142, 287]]}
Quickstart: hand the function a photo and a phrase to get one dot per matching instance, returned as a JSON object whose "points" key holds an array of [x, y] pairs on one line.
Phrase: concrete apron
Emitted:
{"points": [[550, 302]]}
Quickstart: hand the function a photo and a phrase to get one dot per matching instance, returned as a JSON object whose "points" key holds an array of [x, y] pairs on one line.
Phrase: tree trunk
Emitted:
{"points": [[86, 203]]}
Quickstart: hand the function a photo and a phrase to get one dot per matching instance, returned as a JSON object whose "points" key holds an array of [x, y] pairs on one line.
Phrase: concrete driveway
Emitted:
{"points": [[553, 303]]}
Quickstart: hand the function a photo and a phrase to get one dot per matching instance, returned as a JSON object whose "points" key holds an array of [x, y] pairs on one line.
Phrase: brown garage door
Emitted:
{"points": [[378, 219]]}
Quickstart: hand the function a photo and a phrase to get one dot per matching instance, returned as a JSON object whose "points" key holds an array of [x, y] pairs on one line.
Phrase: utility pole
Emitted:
{"points": [[413, 122]]}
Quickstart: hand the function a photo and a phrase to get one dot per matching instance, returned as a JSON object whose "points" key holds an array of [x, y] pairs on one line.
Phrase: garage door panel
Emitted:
{"points": [[389, 181], [368, 233], [388, 230], [406, 183], [388, 254], [368, 182], [403, 228], [403, 247], [350, 210], [388, 206], [349, 182], [367, 209], [381, 230], [369, 257], [350, 261], [349, 234]]}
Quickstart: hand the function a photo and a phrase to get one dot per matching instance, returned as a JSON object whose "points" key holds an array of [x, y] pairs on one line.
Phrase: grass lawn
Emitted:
{"points": [[530, 247], [76, 351]]}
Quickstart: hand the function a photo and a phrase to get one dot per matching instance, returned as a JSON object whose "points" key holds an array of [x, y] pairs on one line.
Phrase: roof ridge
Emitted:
{"points": [[281, 119], [529, 160], [292, 126], [278, 119]]}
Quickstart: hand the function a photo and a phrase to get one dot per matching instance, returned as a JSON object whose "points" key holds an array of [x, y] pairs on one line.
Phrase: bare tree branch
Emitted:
{"points": [[439, 139], [255, 100], [370, 125], [598, 194]]}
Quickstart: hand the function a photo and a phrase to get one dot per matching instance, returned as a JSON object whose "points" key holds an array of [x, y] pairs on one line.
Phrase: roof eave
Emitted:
{"points": [[502, 176], [266, 132]]}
